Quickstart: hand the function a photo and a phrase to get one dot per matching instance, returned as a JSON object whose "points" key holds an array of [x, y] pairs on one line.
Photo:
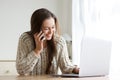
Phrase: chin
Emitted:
{"points": [[49, 38]]}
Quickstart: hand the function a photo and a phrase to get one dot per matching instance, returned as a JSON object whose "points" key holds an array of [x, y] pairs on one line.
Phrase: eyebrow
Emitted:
{"points": [[48, 26]]}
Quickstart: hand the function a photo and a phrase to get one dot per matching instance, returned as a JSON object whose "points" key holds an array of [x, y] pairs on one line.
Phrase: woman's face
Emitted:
{"points": [[48, 28]]}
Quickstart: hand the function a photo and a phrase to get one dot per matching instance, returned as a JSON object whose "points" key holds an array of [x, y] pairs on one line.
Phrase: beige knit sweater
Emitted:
{"points": [[28, 63]]}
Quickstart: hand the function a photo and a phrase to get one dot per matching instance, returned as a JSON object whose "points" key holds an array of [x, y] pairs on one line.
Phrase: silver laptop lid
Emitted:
{"points": [[94, 57]]}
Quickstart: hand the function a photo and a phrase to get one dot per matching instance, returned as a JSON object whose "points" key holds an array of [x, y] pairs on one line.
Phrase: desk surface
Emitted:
{"points": [[48, 77]]}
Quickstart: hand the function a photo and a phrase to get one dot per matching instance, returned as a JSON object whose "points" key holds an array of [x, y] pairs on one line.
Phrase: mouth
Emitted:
{"points": [[49, 36]]}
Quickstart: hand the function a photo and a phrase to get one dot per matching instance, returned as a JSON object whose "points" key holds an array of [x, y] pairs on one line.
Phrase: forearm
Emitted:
{"points": [[26, 64]]}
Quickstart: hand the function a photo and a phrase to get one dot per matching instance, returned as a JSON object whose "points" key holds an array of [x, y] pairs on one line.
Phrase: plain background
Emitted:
{"points": [[15, 19]]}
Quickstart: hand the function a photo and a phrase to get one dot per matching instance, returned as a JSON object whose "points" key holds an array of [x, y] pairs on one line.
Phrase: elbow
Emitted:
{"points": [[19, 69], [22, 70]]}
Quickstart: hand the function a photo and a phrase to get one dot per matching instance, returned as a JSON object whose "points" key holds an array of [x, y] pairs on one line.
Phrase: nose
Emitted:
{"points": [[50, 31]]}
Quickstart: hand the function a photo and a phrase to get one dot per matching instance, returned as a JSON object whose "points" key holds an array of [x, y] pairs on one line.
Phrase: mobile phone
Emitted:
{"points": [[42, 37]]}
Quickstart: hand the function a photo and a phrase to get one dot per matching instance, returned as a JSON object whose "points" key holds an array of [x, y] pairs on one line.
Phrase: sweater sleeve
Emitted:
{"points": [[65, 64], [25, 60]]}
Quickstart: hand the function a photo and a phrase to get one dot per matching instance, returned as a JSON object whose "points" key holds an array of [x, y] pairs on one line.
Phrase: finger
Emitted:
{"points": [[40, 33], [43, 39]]}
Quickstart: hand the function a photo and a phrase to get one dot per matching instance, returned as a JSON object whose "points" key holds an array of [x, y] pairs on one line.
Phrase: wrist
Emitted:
{"points": [[37, 51]]}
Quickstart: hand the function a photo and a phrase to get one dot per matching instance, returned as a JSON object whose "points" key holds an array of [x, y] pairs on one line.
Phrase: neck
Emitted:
{"points": [[44, 44]]}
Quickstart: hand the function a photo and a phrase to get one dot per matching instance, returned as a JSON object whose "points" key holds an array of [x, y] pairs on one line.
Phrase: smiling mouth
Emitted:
{"points": [[49, 36]]}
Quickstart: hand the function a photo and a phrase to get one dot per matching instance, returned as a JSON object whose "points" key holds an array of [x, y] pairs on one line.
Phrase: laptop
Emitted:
{"points": [[94, 58]]}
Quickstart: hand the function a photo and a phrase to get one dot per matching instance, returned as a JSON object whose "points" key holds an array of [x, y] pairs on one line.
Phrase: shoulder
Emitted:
{"points": [[60, 41], [25, 37]]}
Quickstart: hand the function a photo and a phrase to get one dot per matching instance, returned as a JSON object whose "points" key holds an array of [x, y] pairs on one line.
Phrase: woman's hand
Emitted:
{"points": [[39, 38], [76, 70]]}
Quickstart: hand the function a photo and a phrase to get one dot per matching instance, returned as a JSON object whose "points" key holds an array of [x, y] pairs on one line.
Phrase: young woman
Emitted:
{"points": [[42, 50]]}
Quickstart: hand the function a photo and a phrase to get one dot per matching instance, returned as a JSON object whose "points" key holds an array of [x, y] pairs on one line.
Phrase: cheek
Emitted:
{"points": [[54, 31], [45, 31]]}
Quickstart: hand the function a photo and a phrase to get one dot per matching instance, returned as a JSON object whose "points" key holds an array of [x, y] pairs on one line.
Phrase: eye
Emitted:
{"points": [[53, 27], [46, 28]]}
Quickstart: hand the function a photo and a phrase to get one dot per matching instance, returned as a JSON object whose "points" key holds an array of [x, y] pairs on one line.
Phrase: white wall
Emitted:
{"points": [[15, 19], [65, 16]]}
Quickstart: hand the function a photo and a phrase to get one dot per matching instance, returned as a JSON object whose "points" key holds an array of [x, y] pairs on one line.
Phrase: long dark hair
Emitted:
{"points": [[37, 19]]}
